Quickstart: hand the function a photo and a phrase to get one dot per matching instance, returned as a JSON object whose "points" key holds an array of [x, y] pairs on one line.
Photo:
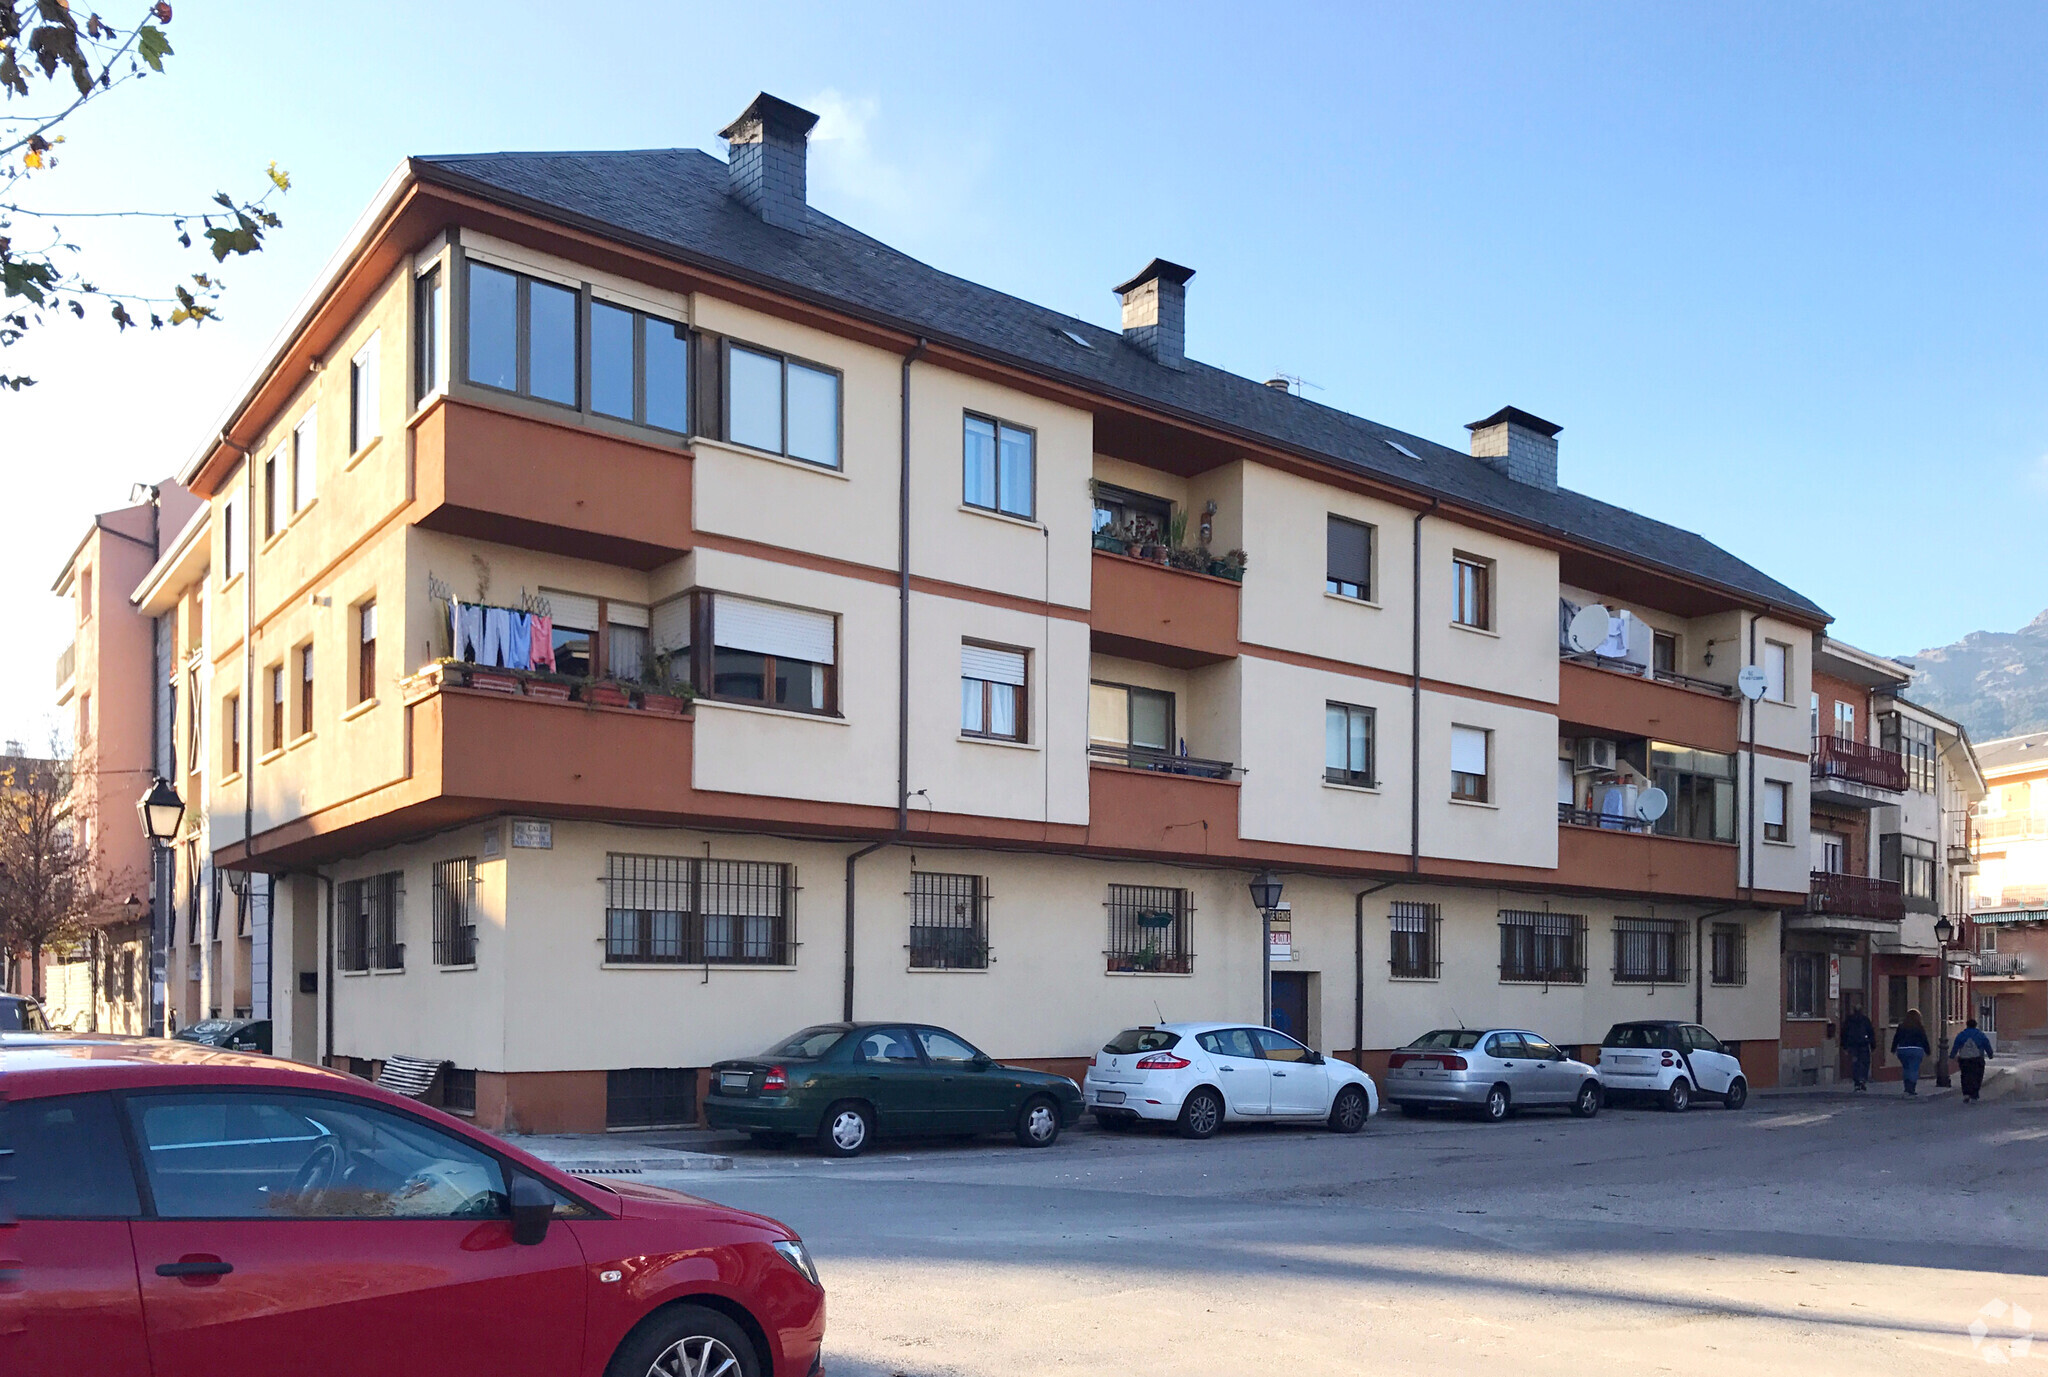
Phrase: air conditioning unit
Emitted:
{"points": [[1594, 753]]}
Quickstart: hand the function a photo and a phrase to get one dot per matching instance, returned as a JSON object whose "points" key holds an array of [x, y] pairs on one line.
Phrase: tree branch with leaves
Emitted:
{"points": [[48, 51], [49, 862]]}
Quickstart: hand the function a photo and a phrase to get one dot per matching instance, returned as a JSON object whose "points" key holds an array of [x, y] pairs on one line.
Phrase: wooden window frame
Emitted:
{"points": [[231, 735], [1479, 613], [279, 710], [1781, 829], [704, 659], [1483, 791], [1023, 732], [366, 650], [302, 657]]}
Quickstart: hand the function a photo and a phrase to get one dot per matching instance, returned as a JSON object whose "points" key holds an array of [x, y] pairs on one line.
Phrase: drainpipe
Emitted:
{"points": [[1699, 974], [326, 1053], [903, 610], [1358, 970], [1415, 705], [1749, 825]]}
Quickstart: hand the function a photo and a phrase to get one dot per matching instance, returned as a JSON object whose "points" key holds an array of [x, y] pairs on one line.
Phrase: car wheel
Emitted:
{"points": [[1115, 1123], [1679, 1097], [1349, 1113], [848, 1127], [1414, 1110], [1497, 1104], [686, 1339], [1039, 1123], [1201, 1114], [1587, 1103], [1737, 1096]]}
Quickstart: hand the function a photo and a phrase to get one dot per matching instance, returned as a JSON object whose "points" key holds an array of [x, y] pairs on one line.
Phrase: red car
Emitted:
{"points": [[179, 1210]]}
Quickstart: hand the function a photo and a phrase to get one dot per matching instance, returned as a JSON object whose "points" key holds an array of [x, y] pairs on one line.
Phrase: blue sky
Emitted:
{"points": [[1775, 270]]}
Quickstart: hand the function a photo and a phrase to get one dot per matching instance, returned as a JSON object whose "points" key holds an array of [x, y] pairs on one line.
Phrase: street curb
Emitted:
{"points": [[634, 1166]]}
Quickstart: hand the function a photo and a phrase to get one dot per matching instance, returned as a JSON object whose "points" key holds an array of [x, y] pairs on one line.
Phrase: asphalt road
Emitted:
{"points": [[1808, 1235]]}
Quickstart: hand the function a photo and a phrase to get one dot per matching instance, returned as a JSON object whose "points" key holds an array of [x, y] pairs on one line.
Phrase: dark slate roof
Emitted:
{"points": [[674, 201]]}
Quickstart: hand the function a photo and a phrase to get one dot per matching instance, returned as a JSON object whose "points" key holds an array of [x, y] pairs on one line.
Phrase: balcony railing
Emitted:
{"points": [[1960, 830], [1854, 896], [1858, 762], [2030, 824], [1165, 762], [67, 664], [1663, 676], [1993, 963], [1568, 816]]}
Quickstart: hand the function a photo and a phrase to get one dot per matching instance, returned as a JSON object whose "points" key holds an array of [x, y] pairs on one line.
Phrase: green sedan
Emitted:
{"points": [[846, 1084]]}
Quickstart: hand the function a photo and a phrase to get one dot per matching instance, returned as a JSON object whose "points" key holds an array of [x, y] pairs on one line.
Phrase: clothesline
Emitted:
{"points": [[501, 637]]}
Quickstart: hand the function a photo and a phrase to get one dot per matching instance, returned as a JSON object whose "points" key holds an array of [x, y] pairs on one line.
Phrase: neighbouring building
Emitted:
{"points": [[103, 981], [1892, 784], [1010, 660], [2008, 930]]}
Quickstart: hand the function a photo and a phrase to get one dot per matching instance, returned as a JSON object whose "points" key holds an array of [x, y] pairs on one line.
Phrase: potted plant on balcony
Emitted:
{"points": [[606, 693], [1230, 566], [493, 679], [661, 692], [551, 688]]}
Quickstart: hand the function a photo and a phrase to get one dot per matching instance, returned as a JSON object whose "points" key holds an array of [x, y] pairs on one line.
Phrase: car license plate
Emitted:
{"points": [[1109, 1097], [735, 1080]]}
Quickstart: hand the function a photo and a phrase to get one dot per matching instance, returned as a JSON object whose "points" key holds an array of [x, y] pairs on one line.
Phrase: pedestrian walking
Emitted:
{"points": [[1910, 1046], [1859, 1036], [1971, 1051]]}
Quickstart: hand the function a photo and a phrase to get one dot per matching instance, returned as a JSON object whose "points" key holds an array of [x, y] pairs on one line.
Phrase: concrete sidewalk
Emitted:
{"points": [[599, 1154]]}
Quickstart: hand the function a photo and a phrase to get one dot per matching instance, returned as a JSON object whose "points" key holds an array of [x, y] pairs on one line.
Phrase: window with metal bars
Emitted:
{"points": [[650, 1097], [1149, 930], [370, 910], [948, 922], [1416, 942], [458, 1091], [455, 912], [1731, 954], [1542, 948], [681, 911], [1651, 951]]}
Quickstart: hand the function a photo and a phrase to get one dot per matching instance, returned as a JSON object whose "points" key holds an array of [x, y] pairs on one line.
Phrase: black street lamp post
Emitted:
{"points": [[1266, 897], [161, 813], [1944, 933]]}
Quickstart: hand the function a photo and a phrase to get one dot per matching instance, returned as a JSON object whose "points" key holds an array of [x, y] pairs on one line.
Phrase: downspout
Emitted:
{"points": [[1415, 704], [159, 671], [1358, 971], [326, 979], [1749, 823], [902, 677], [1699, 974]]}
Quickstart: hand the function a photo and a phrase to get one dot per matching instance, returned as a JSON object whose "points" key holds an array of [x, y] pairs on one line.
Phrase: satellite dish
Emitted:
{"points": [[1587, 630], [1752, 682], [1651, 803]]}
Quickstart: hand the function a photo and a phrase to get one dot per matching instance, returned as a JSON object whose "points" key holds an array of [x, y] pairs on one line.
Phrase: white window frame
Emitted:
{"points": [[365, 394]]}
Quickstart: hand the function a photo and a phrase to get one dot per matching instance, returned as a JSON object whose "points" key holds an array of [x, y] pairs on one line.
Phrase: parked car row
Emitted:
{"points": [[1496, 1071]]}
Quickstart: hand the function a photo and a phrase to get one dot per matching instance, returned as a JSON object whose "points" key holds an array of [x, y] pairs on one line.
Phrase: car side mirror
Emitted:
{"points": [[982, 1061], [533, 1206], [1315, 1059]]}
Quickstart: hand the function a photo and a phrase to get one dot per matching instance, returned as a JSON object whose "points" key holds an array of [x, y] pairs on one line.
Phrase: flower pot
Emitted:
{"points": [[493, 680], [547, 690], [667, 704], [607, 696]]}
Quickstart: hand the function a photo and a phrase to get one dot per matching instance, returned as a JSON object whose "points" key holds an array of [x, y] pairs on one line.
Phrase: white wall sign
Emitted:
{"points": [[536, 836], [1834, 977]]}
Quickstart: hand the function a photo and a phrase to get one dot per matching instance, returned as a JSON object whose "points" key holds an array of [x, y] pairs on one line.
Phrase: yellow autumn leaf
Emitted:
{"points": [[32, 158]]}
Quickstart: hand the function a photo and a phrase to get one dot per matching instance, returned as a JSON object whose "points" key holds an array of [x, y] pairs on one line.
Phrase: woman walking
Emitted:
{"points": [[1910, 1046], [1972, 1049]]}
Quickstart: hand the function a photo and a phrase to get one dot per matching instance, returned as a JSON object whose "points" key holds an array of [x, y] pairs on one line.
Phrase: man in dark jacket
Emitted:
{"points": [[1972, 1049], [1858, 1037]]}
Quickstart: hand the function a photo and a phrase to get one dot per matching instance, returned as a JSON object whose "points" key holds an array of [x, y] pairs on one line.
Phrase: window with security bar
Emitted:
{"points": [[948, 922], [1731, 954], [1149, 930], [1416, 942], [369, 911], [1651, 951], [677, 910], [455, 912], [1542, 948]]}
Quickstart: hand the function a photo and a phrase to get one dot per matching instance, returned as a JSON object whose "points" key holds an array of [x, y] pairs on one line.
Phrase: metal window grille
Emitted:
{"points": [[1651, 951], [948, 922], [1150, 929], [1806, 983], [1542, 948], [1731, 954], [352, 952], [455, 912], [458, 1091], [1416, 942], [370, 911], [650, 1097], [676, 910]]}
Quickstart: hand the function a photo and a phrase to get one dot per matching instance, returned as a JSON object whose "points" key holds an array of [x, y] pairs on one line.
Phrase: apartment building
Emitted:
{"points": [[103, 982], [645, 615], [2007, 936], [1892, 788]]}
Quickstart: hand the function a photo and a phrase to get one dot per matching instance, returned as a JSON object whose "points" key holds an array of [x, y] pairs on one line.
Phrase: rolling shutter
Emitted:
{"points": [[1468, 750], [995, 666], [670, 625], [767, 628], [572, 610], [626, 614]]}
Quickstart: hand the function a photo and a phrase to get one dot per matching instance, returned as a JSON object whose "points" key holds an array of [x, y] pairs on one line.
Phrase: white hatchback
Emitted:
{"points": [[1202, 1075], [1670, 1062]]}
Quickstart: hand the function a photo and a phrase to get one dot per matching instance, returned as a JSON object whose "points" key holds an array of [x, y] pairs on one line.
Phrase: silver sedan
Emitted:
{"points": [[1493, 1070]]}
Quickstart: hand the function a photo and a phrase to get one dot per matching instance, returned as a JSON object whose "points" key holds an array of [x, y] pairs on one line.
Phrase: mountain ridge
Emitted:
{"points": [[1993, 682]]}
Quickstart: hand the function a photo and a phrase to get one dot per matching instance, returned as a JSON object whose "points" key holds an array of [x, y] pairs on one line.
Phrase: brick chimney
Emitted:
{"points": [[1519, 445], [767, 158], [1155, 311]]}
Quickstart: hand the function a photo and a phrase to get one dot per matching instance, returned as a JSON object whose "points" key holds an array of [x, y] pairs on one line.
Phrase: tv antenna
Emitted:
{"points": [[1295, 383]]}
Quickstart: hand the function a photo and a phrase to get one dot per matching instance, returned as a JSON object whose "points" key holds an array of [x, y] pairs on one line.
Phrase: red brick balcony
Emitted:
{"points": [[1854, 896], [1840, 760], [1146, 611]]}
